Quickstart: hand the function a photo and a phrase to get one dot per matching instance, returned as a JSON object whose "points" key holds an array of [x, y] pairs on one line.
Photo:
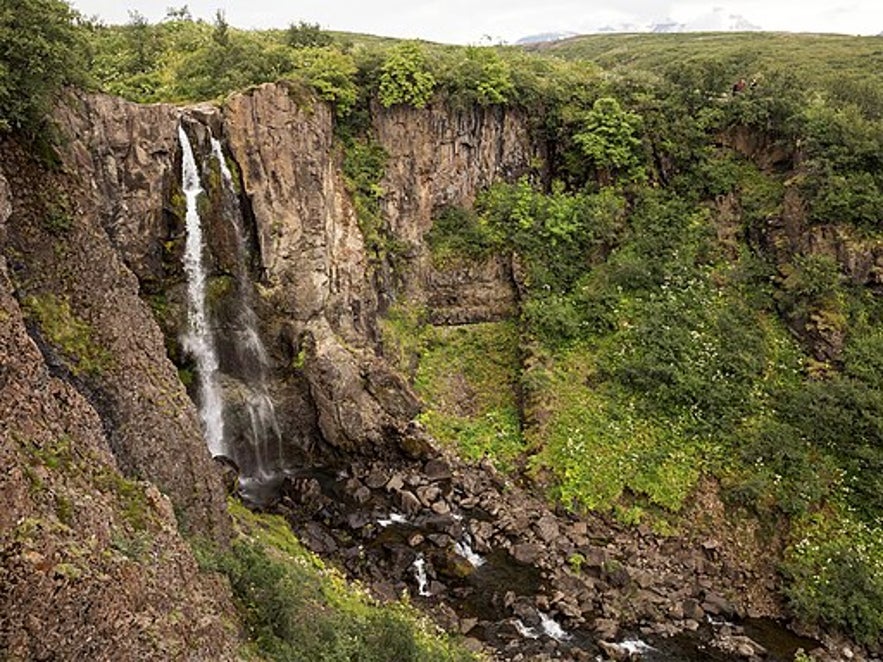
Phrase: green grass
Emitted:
{"points": [[70, 334], [821, 57], [601, 450], [295, 607], [468, 378]]}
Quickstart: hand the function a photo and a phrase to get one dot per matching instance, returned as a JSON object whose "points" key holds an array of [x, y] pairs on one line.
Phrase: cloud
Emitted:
{"points": [[467, 21]]}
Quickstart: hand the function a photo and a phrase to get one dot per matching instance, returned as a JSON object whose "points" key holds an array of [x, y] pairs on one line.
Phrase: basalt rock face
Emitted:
{"points": [[67, 269], [103, 448], [93, 566], [317, 289], [444, 157]]}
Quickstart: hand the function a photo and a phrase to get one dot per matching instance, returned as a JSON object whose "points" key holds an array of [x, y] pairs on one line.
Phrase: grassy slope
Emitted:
{"points": [[827, 55]]}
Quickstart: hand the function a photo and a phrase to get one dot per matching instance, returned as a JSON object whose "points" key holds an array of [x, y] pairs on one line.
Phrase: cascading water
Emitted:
{"points": [[262, 435], [198, 341]]}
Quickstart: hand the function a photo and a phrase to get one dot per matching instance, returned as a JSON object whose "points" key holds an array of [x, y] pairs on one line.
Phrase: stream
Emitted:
{"points": [[443, 540]]}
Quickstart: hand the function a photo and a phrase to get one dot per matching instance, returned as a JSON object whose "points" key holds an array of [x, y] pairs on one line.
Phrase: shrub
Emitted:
{"points": [[610, 139], [41, 49], [836, 575], [405, 78]]}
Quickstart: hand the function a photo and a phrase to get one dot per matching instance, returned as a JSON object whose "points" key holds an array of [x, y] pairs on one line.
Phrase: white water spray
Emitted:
{"points": [[394, 518], [552, 628], [464, 548], [420, 573], [635, 647], [265, 437], [198, 340]]}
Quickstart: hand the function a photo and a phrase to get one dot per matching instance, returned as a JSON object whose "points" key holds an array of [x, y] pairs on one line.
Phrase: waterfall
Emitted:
{"points": [[198, 340], [263, 435]]}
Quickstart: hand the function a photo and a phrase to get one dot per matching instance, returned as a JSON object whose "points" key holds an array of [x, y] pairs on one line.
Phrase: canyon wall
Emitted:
{"points": [[106, 465]]}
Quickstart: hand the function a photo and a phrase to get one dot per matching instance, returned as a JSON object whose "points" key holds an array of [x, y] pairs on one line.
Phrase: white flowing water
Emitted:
{"points": [[634, 647], [394, 518], [420, 574], [265, 437], [198, 341], [524, 631], [464, 549], [552, 629]]}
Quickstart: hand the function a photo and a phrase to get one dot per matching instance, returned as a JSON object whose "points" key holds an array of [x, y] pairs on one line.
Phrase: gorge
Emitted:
{"points": [[363, 324]]}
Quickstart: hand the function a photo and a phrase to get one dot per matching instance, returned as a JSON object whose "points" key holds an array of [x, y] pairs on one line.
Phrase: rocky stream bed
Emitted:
{"points": [[489, 560]]}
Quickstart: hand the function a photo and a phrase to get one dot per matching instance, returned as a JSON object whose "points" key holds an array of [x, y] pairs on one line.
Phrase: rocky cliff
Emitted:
{"points": [[93, 564], [106, 464]]}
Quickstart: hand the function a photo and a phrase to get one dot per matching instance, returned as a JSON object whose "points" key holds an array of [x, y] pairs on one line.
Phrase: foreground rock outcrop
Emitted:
{"points": [[93, 565]]}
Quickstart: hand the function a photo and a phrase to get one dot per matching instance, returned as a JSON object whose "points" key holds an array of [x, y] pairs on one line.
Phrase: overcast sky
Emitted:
{"points": [[475, 21]]}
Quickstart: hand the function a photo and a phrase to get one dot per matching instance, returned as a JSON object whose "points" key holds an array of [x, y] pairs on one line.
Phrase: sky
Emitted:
{"points": [[496, 21]]}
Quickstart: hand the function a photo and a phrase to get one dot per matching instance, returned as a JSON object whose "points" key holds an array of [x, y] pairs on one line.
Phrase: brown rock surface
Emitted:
{"points": [[93, 566], [61, 259], [443, 156]]}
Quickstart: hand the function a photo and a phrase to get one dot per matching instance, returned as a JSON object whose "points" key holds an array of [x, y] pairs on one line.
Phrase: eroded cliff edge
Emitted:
{"points": [[98, 244]]}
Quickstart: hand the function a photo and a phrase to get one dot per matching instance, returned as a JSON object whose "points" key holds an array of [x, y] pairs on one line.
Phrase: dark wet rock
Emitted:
{"points": [[376, 479], [409, 504], [428, 495], [396, 483], [441, 508], [527, 614], [318, 539], [452, 566], [547, 528], [693, 610], [437, 470], [467, 625], [717, 605], [526, 553], [358, 519], [615, 575]]}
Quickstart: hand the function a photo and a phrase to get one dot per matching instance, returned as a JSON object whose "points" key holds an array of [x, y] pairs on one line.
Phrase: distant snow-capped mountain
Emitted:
{"points": [[717, 20], [544, 37]]}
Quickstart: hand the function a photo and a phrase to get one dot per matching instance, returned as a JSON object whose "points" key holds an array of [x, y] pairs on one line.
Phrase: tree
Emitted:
{"points": [[610, 140], [405, 78], [307, 35], [221, 30], [40, 51]]}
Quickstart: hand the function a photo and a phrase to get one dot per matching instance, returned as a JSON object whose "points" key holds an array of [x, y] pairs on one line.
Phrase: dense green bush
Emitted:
{"points": [[41, 49], [610, 139], [836, 575], [405, 78]]}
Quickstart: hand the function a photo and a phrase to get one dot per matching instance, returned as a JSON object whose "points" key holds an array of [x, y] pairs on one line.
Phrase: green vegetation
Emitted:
{"points": [[297, 608], [41, 49], [668, 330], [404, 77], [71, 335]]}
